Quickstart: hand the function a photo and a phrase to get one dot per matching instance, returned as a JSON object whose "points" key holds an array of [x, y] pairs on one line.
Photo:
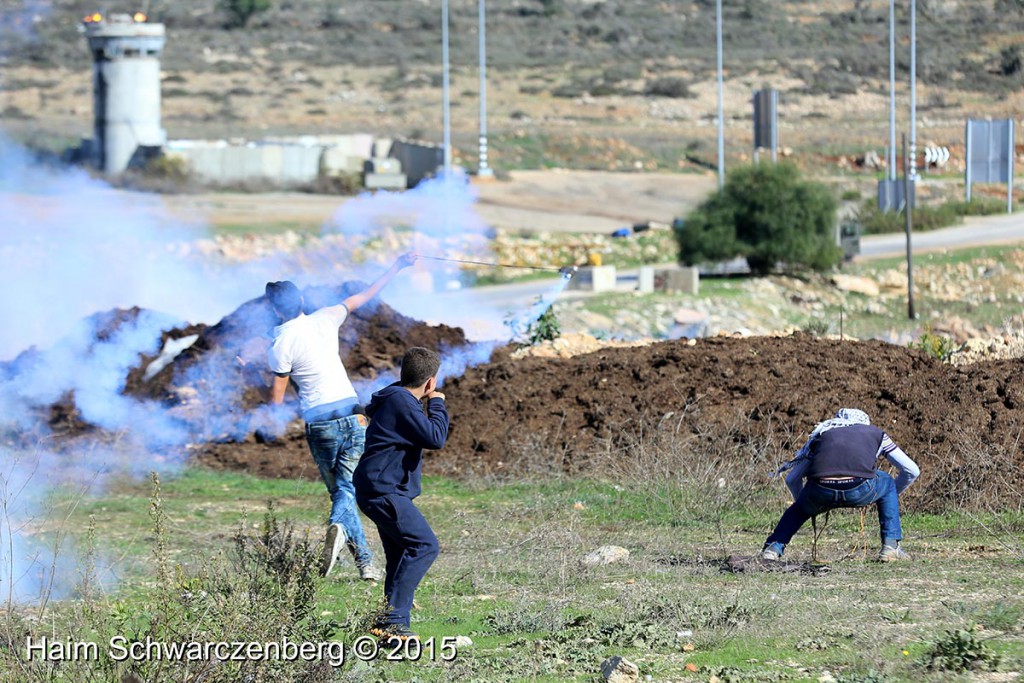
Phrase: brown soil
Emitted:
{"points": [[959, 424], [372, 341], [207, 389]]}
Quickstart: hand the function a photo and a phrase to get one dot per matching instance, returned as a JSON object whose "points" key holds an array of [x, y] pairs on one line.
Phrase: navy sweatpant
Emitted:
{"points": [[410, 547]]}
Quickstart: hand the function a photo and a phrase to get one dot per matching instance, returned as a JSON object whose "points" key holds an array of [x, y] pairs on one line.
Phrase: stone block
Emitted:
{"points": [[594, 279], [386, 181], [679, 281], [645, 280]]}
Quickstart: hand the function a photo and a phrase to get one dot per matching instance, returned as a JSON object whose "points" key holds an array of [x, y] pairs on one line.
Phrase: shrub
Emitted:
{"points": [[962, 650], [240, 11], [668, 87], [768, 214], [545, 328], [937, 346], [874, 221]]}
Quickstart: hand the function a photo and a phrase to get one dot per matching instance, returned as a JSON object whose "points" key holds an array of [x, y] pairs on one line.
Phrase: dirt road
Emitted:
{"points": [[550, 201]]}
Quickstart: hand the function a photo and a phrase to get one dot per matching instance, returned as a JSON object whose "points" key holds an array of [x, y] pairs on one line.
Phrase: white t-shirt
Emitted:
{"points": [[307, 349]]}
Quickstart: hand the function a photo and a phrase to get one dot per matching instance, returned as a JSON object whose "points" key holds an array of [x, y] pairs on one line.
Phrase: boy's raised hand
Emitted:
{"points": [[435, 394], [405, 260]]}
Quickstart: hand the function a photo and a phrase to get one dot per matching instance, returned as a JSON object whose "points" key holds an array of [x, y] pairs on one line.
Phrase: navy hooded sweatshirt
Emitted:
{"points": [[395, 439]]}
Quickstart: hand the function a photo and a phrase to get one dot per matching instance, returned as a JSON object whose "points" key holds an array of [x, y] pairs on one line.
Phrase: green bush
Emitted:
{"points": [[937, 346], [545, 328], [670, 86], [874, 221], [241, 11], [962, 650], [768, 214]]}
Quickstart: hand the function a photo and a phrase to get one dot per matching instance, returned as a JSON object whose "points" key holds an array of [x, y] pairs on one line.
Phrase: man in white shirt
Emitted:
{"points": [[305, 350]]}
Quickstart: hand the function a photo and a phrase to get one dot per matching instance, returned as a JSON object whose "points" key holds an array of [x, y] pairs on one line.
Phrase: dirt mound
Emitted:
{"points": [[959, 423], [195, 371], [372, 341]]}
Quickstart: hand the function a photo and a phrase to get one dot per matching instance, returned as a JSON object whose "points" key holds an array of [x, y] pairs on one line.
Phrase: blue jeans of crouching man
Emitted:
{"points": [[817, 498], [336, 446]]}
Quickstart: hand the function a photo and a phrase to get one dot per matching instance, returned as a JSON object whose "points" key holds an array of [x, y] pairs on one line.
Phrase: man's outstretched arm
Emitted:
{"points": [[357, 300]]}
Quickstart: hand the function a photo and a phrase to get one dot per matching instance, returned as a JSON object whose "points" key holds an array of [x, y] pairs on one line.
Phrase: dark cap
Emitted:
{"points": [[285, 297]]}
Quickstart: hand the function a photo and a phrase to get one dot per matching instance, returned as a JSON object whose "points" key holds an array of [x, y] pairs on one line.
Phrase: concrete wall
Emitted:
{"points": [[283, 160]]}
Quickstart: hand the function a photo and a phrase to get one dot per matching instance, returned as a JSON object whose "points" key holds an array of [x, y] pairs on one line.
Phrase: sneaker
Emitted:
{"points": [[368, 572], [892, 553], [771, 552], [332, 544], [393, 633]]}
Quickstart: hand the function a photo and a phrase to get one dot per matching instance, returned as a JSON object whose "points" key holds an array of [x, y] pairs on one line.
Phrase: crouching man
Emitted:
{"points": [[838, 463]]}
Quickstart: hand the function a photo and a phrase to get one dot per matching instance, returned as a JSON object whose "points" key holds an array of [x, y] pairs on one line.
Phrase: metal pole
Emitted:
{"points": [[909, 224], [1010, 160], [721, 106], [967, 162], [913, 91], [445, 85], [892, 89], [775, 125], [483, 171]]}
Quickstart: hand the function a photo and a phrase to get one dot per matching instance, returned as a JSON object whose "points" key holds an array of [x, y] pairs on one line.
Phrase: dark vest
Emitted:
{"points": [[845, 452]]}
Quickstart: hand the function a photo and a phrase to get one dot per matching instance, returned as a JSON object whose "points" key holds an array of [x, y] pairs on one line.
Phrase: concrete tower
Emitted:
{"points": [[126, 89]]}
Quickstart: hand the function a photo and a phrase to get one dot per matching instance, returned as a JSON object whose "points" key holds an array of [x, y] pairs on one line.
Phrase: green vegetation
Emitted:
{"points": [[545, 328], [768, 214], [937, 346], [203, 558], [241, 11], [962, 650], [925, 217]]}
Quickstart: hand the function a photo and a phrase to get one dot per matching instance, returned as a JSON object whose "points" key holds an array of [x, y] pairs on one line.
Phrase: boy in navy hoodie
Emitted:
{"points": [[388, 478]]}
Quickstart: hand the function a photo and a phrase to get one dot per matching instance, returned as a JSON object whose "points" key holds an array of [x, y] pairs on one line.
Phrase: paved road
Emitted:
{"points": [[975, 231]]}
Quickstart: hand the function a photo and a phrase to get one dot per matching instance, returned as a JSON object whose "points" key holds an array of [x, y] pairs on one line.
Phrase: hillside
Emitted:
{"points": [[573, 82]]}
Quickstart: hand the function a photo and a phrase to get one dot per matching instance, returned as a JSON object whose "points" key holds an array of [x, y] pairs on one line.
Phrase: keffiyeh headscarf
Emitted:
{"points": [[845, 417]]}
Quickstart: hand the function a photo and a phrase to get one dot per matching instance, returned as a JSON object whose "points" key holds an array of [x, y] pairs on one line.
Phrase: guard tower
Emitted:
{"points": [[126, 89]]}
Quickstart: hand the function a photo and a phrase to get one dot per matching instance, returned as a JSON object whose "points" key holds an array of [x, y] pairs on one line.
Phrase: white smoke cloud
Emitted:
{"points": [[74, 248]]}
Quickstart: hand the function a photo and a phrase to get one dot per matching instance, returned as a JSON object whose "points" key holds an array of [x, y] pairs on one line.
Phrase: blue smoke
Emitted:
{"points": [[73, 246]]}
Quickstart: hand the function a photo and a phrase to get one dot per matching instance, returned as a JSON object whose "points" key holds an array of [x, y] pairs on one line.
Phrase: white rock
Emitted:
{"points": [[463, 641], [855, 283], [619, 670], [606, 554]]}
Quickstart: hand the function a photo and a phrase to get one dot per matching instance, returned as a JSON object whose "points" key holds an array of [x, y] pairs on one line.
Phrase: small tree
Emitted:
{"points": [[240, 11], [768, 214]]}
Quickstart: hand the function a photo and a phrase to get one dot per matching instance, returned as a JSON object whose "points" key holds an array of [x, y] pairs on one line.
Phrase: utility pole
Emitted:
{"points": [[913, 94], [909, 226], [721, 106], [445, 97], [483, 171], [892, 90]]}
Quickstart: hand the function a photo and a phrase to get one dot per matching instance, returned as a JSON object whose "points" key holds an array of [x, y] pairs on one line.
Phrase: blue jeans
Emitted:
{"points": [[815, 499], [336, 446], [410, 547]]}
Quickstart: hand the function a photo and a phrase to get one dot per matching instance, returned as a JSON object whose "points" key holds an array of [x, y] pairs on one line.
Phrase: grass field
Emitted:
{"points": [[509, 577]]}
